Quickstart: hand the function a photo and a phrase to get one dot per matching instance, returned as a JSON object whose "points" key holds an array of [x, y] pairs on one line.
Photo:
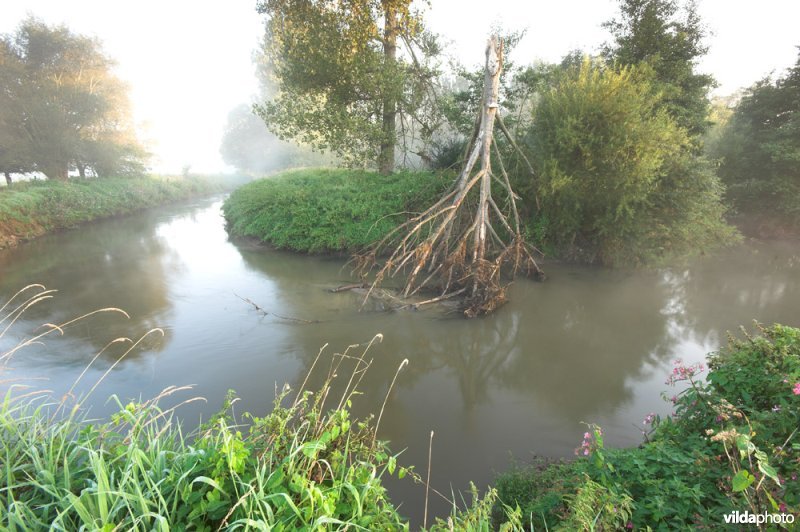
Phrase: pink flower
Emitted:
{"points": [[796, 389]]}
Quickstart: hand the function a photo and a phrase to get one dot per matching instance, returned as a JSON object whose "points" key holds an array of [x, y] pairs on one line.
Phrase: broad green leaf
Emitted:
{"points": [[742, 480]]}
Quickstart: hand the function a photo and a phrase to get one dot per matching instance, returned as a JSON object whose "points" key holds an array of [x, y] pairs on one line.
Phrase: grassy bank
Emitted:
{"points": [[328, 210], [31, 209], [730, 445]]}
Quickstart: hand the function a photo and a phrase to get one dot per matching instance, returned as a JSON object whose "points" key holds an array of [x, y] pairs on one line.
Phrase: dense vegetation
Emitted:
{"points": [[616, 182], [731, 444], [759, 149], [62, 108], [30, 209], [327, 211]]}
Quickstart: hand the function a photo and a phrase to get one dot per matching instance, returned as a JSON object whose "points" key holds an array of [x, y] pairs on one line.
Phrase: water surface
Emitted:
{"points": [[588, 345]]}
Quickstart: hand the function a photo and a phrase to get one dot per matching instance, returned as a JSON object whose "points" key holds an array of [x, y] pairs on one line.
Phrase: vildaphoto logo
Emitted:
{"points": [[746, 518]]}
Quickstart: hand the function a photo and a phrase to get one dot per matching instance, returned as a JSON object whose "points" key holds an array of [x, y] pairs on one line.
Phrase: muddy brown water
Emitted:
{"points": [[587, 345]]}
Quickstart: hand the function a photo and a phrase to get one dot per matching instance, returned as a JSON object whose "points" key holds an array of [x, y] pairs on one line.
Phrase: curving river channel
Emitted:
{"points": [[588, 345]]}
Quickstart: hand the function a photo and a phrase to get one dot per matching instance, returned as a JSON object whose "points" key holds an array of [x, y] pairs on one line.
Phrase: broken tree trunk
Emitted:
{"points": [[460, 244]]}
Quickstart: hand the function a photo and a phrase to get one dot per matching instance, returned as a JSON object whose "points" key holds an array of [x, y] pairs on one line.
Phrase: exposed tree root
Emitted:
{"points": [[461, 244]]}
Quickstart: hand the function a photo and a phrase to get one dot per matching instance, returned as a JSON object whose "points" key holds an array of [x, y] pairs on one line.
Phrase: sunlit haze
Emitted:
{"points": [[189, 63]]}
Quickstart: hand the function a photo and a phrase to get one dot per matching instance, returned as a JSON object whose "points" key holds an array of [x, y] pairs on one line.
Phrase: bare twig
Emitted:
{"points": [[267, 313]]}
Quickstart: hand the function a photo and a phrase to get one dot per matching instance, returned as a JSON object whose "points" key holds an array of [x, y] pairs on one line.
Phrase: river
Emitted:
{"points": [[588, 345]]}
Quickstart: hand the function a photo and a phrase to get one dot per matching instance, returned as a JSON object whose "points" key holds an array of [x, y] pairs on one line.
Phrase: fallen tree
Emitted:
{"points": [[460, 245]]}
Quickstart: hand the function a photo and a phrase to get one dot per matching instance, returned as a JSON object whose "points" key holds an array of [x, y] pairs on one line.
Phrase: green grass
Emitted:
{"points": [[329, 210], [30, 209]]}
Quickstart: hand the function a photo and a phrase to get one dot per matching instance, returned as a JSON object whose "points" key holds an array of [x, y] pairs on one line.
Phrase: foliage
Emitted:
{"points": [[616, 182], [62, 108], [248, 145], [300, 467], [341, 84], [33, 208], [731, 444], [328, 210], [539, 489], [668, 37], [760, 148]]}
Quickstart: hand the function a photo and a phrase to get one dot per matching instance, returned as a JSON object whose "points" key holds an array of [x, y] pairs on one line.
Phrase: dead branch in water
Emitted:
{"points": [[461, 243], [267, 313], [346, 287]]}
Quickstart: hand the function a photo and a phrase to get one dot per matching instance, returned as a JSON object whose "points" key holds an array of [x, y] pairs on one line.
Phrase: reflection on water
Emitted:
{"points": [[588, 345]]}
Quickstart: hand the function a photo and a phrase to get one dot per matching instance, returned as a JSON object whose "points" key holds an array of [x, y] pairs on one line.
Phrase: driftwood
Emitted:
{"points": [[267, 313], [459, 245], [346, 287]]}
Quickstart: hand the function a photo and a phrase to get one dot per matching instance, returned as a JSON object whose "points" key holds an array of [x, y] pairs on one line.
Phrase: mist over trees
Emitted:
{"points": [[62, 108], [250, 147], [759, 147]]}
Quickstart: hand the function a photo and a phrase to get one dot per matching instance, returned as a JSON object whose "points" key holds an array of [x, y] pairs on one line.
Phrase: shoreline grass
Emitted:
{"points": [[31, 209], [333, 211]]}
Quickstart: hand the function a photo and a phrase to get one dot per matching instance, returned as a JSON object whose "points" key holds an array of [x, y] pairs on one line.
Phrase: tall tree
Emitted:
{"points": [[341, 81], [63, 104], [669, 37]]}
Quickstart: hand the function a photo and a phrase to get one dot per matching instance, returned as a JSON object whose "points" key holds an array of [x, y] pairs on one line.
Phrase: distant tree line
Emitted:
{"points": [[759, 148], [62, 108]]}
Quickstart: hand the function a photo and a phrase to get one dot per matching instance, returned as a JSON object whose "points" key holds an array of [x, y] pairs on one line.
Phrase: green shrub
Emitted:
{"points": [[329, 210], [617, 181]]}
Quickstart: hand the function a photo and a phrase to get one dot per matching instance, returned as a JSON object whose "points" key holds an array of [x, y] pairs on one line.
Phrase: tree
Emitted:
{"points": [[614, 180], [63, 105], [669, 38], [760, 147], [341, 82], [14, 153]]}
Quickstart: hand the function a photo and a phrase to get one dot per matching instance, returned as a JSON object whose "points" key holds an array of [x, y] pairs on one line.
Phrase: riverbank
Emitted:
{"points": [[31, 209], [341, 211], [334, 211], [729, 451]]}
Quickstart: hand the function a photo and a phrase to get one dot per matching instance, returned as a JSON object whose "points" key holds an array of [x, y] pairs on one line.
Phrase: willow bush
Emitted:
{"points": [[617, 180]]}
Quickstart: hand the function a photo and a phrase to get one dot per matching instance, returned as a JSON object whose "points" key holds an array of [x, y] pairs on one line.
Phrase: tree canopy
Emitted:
{"points": [[668, 37], [340, 82], [62, 106], [760, 147]]}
